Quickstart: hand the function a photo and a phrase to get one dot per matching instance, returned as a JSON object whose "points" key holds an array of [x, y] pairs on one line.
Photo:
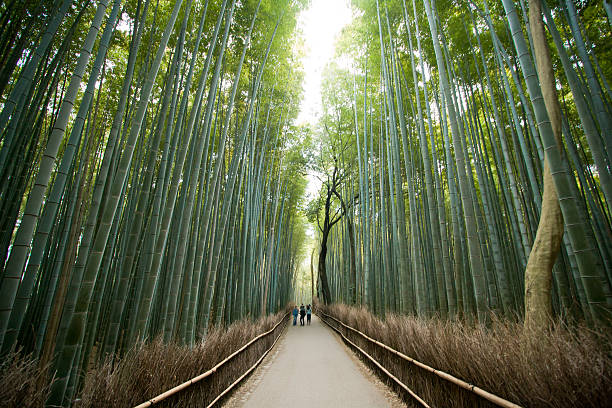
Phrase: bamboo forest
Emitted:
{"points": [[159, 182]]}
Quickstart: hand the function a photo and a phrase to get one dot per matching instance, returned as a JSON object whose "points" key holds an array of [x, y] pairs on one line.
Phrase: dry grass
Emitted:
{"points": [[560, 367], [150, 369], [147, 370], [22, 383]]}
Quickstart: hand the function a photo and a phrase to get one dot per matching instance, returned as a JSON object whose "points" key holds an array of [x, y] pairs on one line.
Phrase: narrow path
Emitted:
{"points": [[312, 368]]}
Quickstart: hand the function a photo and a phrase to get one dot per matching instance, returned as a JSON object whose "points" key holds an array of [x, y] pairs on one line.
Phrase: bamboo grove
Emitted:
{"points": [[437, 148], [151, 173]]}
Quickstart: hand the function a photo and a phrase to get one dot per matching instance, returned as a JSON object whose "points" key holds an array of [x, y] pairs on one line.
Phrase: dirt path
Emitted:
{"points": [[310, 367]]}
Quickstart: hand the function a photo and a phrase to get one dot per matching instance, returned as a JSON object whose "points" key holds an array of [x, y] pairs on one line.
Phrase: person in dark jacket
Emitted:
{"points": [[302, 314]]}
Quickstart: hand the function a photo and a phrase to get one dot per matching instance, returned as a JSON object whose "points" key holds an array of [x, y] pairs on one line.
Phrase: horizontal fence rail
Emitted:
{"points": [[213, 370], [499, 401]]}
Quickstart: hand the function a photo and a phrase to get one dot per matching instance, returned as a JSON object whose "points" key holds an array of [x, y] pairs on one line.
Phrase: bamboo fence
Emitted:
{"points": [[499, 401], [187, 384]]}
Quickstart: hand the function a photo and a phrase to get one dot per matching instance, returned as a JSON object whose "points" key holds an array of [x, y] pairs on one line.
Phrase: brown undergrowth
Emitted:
{"points": [[148, 370], [22, 382], [557, 367], [153, 368]]}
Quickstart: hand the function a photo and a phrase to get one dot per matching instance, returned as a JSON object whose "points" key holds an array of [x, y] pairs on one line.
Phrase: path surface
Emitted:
{"points": [[312, 368]]}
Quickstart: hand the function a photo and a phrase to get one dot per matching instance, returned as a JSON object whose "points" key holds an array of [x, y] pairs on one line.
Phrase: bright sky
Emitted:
{"points": [[321, 23]]}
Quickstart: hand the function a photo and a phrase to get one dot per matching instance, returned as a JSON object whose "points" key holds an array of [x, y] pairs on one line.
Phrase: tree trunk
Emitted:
{"points": [[312, 282], [538, 274], [322, 269]]}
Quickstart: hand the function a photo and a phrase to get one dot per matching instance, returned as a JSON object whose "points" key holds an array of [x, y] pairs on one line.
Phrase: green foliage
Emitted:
{"points": [[193, 217], [490, 161]]}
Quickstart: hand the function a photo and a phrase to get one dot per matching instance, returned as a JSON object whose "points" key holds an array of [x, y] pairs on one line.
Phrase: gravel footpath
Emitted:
{"points": [[311, 367]]}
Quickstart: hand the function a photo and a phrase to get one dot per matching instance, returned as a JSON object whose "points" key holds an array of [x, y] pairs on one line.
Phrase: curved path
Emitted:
{"points": [[310, 367]]}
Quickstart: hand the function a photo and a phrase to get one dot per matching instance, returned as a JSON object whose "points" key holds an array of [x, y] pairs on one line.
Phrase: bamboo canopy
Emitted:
{"points": [[153, 175], [443, 144]]}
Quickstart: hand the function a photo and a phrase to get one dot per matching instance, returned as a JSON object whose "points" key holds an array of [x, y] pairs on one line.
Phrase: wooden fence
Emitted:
{"points": [[226, 362], [485, 395]]}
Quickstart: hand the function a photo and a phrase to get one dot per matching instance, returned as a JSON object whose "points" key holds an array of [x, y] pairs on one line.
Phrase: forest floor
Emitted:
{"points": [[311, 367]]}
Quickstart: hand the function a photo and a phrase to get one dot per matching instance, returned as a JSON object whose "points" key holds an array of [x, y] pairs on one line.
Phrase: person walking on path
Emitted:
{"points": [[302, 314], [295, 313], [308, 315]]}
